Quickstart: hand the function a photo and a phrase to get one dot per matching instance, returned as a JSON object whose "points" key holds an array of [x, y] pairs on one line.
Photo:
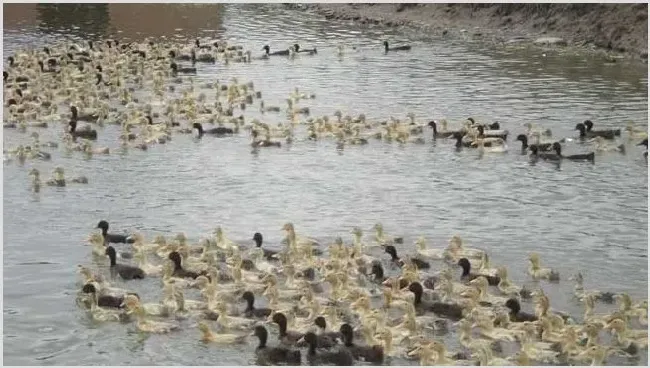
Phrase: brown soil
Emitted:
{"points": [[616, 28]]}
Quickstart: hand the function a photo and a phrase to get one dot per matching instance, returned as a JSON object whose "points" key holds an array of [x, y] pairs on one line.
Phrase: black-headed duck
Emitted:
{"points": [[82, 117], [396, 48], [297, 48], [125, 271], [482, 133], [218, 131], [584, 133], [108, 301], [469, 276], [285, 336], [179, 271], [341, 357], [550, 156], [251, 311], [644, 143], [420, 264], [321, 323], [578, 157], [85, 134], [273, 355], [113, 238], [590, 125], [268, 52], [370, 354], [516, 315], [446, 310], [184, 70], [540, 146], [268, 254], [437, 134]]}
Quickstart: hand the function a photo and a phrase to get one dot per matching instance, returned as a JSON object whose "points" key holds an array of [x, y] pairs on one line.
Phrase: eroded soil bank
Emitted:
{"points": [[620, 29]]}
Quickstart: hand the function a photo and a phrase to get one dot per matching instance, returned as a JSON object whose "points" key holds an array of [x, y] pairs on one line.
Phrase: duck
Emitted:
{"points": [[321, 324], [125, 271], [516, 315], [268, 52], [447, 310], [106, 301], [312, 51], [185, 70], [179, 271], [540, 146], [85, 133], [580, 293], [207, 335], [538, 272], [287, 337], [421, 249], [590, 125], [274, 355], [627, 337], [396, 48], [370, 354], [585, 133], [145, 325], [547, 156], [270, 255], [420, 264], [251, 311], [579, 157], [217, 131], [469, 276], [101, 314], [340, 357], [113, 238], [439, 134], [383, 239], [82, 117]]}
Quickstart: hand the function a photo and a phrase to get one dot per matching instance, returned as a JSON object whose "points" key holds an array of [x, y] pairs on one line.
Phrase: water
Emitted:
{"points": [[579, 217]]}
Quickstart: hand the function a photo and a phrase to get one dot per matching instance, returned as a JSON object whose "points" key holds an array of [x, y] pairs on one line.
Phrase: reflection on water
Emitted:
{"points": [[123, 21], [588, 218]]}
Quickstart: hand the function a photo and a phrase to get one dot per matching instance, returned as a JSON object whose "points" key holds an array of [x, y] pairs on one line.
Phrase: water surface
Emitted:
{"points": [[579, 217]]}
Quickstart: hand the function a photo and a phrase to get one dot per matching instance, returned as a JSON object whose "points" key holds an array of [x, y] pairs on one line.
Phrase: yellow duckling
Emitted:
{"points": [[539, 351], [386, 337], [207, 335], [97, 242], [426, 354], [506, 287], [598, 354], [148, 268], [421, 248], [487, 329], [383, 239], [58, 180], [455, 250], [232, 323], [481, 283], [538, 272], [627, 336], [485, 357], [145, 325], [635, 133]]}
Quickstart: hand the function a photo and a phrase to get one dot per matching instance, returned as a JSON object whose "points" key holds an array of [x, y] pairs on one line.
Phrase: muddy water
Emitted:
{"points": [[578, 217]]}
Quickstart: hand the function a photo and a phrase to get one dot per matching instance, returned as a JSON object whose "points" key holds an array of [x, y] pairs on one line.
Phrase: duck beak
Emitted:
{"points": [[302, 340]]}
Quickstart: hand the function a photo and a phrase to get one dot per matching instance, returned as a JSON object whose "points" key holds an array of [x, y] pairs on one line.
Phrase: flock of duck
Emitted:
{"points": [[342, 304], [359, 302]]}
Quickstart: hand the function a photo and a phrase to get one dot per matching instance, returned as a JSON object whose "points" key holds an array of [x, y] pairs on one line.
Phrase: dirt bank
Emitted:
{"points": [[616, 28]]}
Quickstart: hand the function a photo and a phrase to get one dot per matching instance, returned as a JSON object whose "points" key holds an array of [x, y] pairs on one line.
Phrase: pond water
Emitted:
{"points": [[578, 217]]}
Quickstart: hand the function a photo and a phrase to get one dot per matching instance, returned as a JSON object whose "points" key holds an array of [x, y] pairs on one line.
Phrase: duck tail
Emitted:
{"points": [[592, 158], [130, 239], [316, 52]]}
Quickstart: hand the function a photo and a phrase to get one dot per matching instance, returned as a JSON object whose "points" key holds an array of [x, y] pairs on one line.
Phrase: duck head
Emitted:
{"points": [[75, 112], [262, 334], [320, 322], [281, 320], [267, 48], [5, 75], [199, 128], [417, 290], [588, 124], [348, 334], [296, 47], [174, 67], [249, 298], [581, 127], [110, 252], [433, 126], [377, 270], [464, 263], [11, 60], [523, 139], [385, 45], [392, 251], [513, 305], [258, 239], [103, 224], [176, 258]]}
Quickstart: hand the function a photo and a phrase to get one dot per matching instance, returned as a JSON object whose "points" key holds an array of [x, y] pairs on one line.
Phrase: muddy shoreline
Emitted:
{"points": [[611, 30]]}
